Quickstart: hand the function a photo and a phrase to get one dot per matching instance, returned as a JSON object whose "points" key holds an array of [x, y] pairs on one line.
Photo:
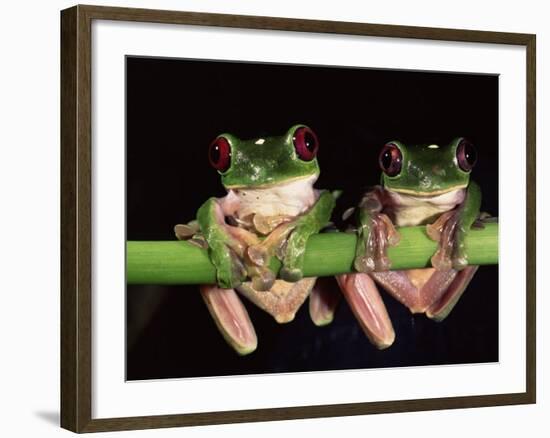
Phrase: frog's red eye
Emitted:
{"points": [[391, 160], [466, 155], [219, 154], [305, 143]]}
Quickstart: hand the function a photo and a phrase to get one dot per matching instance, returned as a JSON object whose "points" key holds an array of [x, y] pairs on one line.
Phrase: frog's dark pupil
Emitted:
{"points": [[390, 160], [386, 159], [470, 154], [309, 141], [466, 155], [215, 153]]}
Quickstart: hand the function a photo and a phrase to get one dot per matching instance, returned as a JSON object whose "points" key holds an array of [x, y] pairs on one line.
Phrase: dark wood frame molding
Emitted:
{"points": [[76, 173]]}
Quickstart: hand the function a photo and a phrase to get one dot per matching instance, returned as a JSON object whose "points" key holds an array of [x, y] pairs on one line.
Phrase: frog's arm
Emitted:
{"points": [[223, 249], [375, 233], [468, 215], [306, 225], [451, 230]]}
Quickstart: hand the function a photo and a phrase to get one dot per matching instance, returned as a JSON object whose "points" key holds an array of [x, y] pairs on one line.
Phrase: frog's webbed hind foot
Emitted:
{"points": [[366, 304], [282, 301], [416, 289], [231, 318], [427, 290]]}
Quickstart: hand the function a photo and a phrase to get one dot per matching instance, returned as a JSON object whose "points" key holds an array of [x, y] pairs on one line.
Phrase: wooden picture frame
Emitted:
{"points": [[76, 218]]}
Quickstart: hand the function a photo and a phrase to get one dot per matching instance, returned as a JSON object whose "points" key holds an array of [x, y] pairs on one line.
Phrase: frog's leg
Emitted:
{"points": [[440, 309], [230, 317], [283, 300], [224, 249], [375, 233], [305, 225], [323, 300], [451, 228], [366, 303]]}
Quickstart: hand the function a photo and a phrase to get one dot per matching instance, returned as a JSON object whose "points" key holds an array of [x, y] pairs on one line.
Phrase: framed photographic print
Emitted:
{"points": [[305, 209]]}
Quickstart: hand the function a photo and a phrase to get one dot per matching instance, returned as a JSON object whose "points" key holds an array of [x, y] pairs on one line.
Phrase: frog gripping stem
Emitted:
{"points": [[451, 229], [306, 225], [376, 232]]}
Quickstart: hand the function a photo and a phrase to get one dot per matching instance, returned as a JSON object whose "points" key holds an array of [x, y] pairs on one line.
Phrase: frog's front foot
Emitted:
{"points": [[225, 251], [374, 237], [293, 250], [262, 278], [450, 232], [287, 242], [259, 254], [230, 269], [375, 233], [291, 274]]}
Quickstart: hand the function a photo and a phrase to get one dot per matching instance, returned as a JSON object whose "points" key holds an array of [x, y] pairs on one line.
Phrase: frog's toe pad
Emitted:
{"points": [[364, 264], [459, 263], [291, 274], [263, 281]]}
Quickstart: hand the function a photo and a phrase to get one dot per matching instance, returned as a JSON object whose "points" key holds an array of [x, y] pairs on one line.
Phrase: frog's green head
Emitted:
{"points": [[427, 170], [266, 161]]}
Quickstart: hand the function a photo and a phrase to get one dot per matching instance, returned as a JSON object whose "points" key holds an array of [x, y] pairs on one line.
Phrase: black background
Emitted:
{"points": [[175, 108]]}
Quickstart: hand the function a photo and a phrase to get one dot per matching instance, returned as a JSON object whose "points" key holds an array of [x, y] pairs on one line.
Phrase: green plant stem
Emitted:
{"points": [[178, 262]]}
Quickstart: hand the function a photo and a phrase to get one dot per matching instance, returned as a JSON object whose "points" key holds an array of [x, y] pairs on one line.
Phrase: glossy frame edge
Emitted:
{"points": [[76, 165]]}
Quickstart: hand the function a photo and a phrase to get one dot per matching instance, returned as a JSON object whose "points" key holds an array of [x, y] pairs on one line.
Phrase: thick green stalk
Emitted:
{"points": [[176, 262]]}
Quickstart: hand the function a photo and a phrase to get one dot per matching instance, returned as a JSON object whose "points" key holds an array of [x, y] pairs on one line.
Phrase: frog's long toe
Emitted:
{"points": [[366, 303], [231, 318]]}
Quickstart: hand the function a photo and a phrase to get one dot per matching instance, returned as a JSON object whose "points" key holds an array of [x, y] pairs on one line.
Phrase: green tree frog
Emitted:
{"points": [[270, 210], [420, 185]]}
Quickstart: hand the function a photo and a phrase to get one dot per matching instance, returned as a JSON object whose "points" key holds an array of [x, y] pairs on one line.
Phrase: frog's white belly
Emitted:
{"points": [[419, 210], [288, 199]]}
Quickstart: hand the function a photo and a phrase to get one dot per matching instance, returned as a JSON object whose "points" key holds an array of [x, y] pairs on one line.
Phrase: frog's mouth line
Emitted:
{"points": [[428, 194], [289, 181]]}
